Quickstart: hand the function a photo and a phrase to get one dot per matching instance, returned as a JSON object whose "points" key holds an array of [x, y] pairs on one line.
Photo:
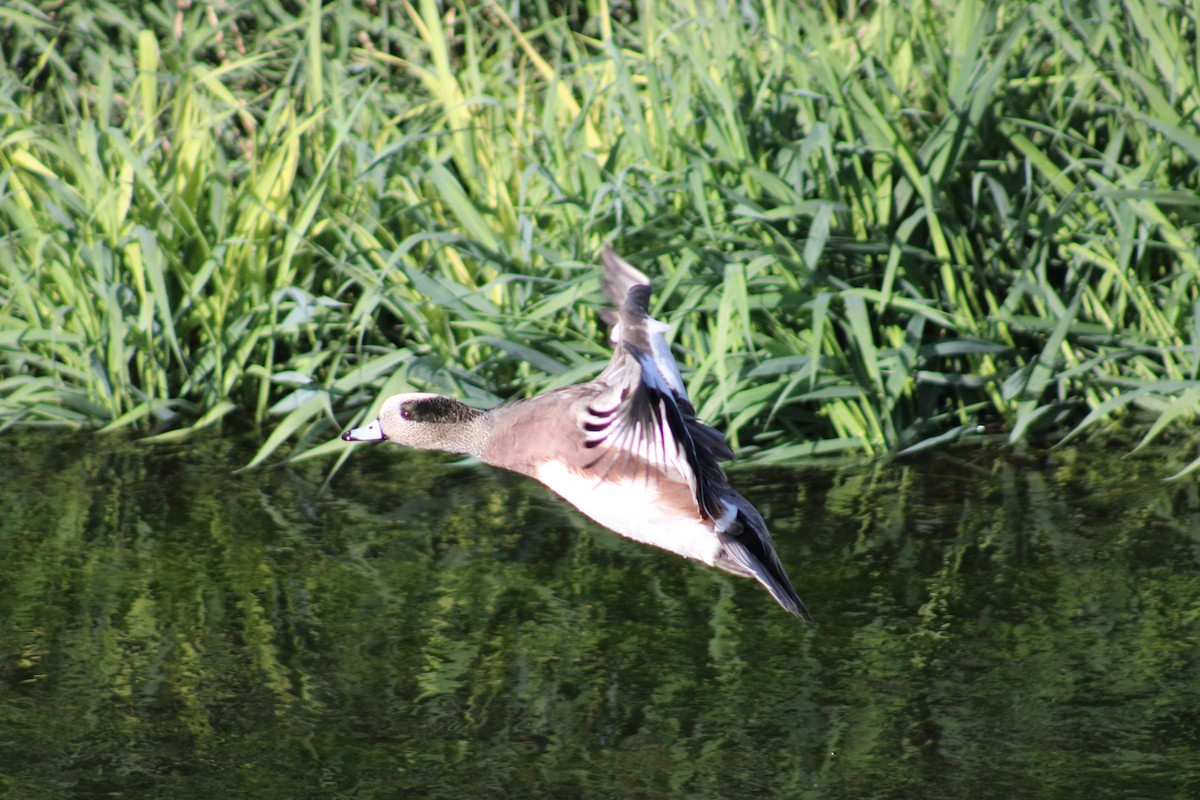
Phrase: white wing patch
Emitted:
{"points": [[660, 351]]}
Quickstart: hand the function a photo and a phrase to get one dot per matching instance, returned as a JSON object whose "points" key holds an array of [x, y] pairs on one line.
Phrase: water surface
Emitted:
{"points": [[990, 626]]}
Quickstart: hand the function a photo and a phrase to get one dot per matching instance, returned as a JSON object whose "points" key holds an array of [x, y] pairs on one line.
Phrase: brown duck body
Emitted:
{"points": [[626, 448]]}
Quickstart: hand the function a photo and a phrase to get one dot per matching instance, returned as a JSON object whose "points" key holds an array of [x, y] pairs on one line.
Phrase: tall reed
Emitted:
{"points": [[873, 231]]}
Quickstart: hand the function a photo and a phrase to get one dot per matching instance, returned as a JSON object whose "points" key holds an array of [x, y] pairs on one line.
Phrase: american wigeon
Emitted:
{"points": [[626, 448]]}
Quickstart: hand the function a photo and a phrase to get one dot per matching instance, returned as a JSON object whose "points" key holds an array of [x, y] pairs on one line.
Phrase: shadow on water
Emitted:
{"points": [[990, 627]]}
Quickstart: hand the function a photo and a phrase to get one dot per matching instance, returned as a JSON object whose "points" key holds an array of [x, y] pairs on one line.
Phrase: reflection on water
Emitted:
{"points": [[989, 627]]}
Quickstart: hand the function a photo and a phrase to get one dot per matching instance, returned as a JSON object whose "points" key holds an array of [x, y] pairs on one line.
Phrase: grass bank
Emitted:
{"points": [[872, 231]]}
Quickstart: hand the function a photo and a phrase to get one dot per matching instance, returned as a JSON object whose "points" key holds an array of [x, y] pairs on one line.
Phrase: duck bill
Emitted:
{"points": [[371, 432]]}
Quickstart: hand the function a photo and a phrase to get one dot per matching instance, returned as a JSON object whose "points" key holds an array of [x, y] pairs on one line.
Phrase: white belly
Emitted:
{"points": [[633, 509]]}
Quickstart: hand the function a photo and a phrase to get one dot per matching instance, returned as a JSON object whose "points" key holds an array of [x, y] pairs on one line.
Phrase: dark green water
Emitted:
{"points": [[990, 628]]}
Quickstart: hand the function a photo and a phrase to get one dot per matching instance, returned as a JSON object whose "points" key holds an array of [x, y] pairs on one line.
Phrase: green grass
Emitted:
{"points": [[872, 231]]}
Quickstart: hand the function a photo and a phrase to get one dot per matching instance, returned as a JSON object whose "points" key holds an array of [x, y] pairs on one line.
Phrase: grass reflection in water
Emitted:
{"points": [[988, 628]]}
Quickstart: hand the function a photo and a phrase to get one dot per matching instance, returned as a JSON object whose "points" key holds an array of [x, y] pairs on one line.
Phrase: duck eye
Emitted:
{"points": [[405, 412]]}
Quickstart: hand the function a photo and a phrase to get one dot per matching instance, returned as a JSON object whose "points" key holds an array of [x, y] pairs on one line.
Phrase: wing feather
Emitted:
{"points": [[648, 424]]}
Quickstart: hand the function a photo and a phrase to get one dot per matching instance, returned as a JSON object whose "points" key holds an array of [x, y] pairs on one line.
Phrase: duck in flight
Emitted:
{"points": [[626, 449]]}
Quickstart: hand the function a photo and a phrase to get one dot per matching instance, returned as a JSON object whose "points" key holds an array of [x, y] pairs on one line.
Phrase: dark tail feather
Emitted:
{"points": [[748, 551]]}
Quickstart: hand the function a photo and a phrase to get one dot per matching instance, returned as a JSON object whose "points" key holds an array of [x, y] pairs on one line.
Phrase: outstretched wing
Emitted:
{"points": [[619, 278], [644, 419]]}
